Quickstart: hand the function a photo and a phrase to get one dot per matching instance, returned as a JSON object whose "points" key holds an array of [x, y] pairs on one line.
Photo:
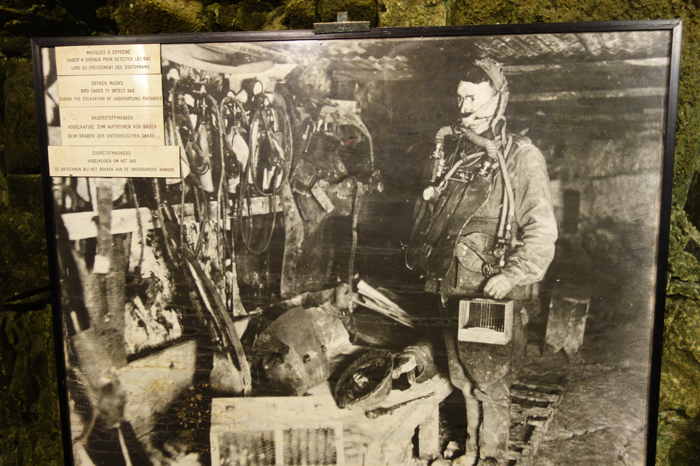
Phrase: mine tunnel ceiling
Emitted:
{"points": [[589, 77], [528, 48], [560, 79]]}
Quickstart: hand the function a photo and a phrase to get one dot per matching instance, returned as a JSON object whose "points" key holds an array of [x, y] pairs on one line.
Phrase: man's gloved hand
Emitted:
{"points": [[498, 286]]}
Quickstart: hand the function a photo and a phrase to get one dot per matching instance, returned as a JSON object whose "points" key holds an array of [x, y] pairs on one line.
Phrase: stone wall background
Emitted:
{"points": [[29, 431]]}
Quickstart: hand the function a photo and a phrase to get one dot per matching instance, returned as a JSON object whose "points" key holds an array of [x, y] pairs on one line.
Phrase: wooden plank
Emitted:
{"points": [[592, 94], [276, 414], [429, 435], [575, 46], [518, 411], [82, 225], [152, 382], [587, 76], [387, 435], [532, 410], [557, 116], [549, 67], [532, 393]]}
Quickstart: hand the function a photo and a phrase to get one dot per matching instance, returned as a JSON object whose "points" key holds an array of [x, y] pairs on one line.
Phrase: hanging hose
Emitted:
{"points": [[224, 179], [247, 236], [262, 127], [494, 152], [221, 212], [235, 109], [163, 218], [221, 321], [188, 148], [249, 175], [356, 202], [506, 219]]}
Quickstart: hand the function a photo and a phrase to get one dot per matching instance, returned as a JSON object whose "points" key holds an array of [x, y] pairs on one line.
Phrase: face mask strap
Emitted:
{"points": [[494, 70]]}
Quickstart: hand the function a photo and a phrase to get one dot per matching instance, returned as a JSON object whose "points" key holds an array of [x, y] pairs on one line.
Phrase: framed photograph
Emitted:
{"points": [[400, 246]]}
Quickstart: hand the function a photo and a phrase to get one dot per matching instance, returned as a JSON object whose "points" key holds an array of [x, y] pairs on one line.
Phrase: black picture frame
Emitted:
{"points": [[668, 122]]}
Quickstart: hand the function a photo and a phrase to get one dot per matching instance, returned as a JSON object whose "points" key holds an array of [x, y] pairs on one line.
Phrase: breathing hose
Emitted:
{"points": [[492, 151]]}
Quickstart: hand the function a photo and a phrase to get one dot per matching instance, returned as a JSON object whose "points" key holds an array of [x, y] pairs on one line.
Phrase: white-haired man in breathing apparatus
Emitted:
{"points": [[484, 228]]}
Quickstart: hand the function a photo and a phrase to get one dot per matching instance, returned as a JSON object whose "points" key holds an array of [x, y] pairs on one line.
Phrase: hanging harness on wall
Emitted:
{"points": [[268, 166], [251, 140], [326, 183]]}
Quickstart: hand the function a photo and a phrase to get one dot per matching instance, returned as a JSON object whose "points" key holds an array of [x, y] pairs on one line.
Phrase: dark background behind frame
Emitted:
{"points": [[687, 142]]}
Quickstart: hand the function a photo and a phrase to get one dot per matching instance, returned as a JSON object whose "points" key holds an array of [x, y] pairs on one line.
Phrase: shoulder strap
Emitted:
{"points": [[519, 141]]}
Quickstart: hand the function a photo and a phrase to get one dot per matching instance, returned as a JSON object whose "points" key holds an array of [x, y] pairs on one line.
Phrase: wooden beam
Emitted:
{"points": [[82, 225], [610, 75], [645, 62], [590, 94], [643, 116]]}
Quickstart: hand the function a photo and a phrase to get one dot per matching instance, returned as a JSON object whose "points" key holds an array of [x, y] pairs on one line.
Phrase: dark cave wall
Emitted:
{"points": [[608, 214], [29, 433], [608, 183]]}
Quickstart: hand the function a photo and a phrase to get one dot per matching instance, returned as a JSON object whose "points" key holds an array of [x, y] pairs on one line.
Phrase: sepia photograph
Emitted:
{"points": [[438, 249]]}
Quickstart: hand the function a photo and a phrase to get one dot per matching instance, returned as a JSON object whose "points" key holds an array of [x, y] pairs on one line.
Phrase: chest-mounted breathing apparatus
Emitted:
{"points": [[464, 166]]}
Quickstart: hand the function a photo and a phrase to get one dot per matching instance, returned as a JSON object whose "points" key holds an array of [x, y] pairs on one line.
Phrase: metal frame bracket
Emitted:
{"points": [[341, 24]]}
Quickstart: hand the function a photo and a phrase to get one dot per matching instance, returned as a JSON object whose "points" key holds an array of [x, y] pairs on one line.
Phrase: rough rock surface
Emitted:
{"points": [[157, 16], [598, 421], [19, 123], [407, 13]]}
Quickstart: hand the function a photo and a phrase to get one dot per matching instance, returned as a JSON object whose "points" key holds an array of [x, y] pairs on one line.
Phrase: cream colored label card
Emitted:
{"points": [[105, 126], [108, 59], [150, 162], [118, 91]]}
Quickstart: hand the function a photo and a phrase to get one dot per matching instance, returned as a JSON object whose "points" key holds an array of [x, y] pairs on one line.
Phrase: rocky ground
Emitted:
{"points": [[601, 419]]}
